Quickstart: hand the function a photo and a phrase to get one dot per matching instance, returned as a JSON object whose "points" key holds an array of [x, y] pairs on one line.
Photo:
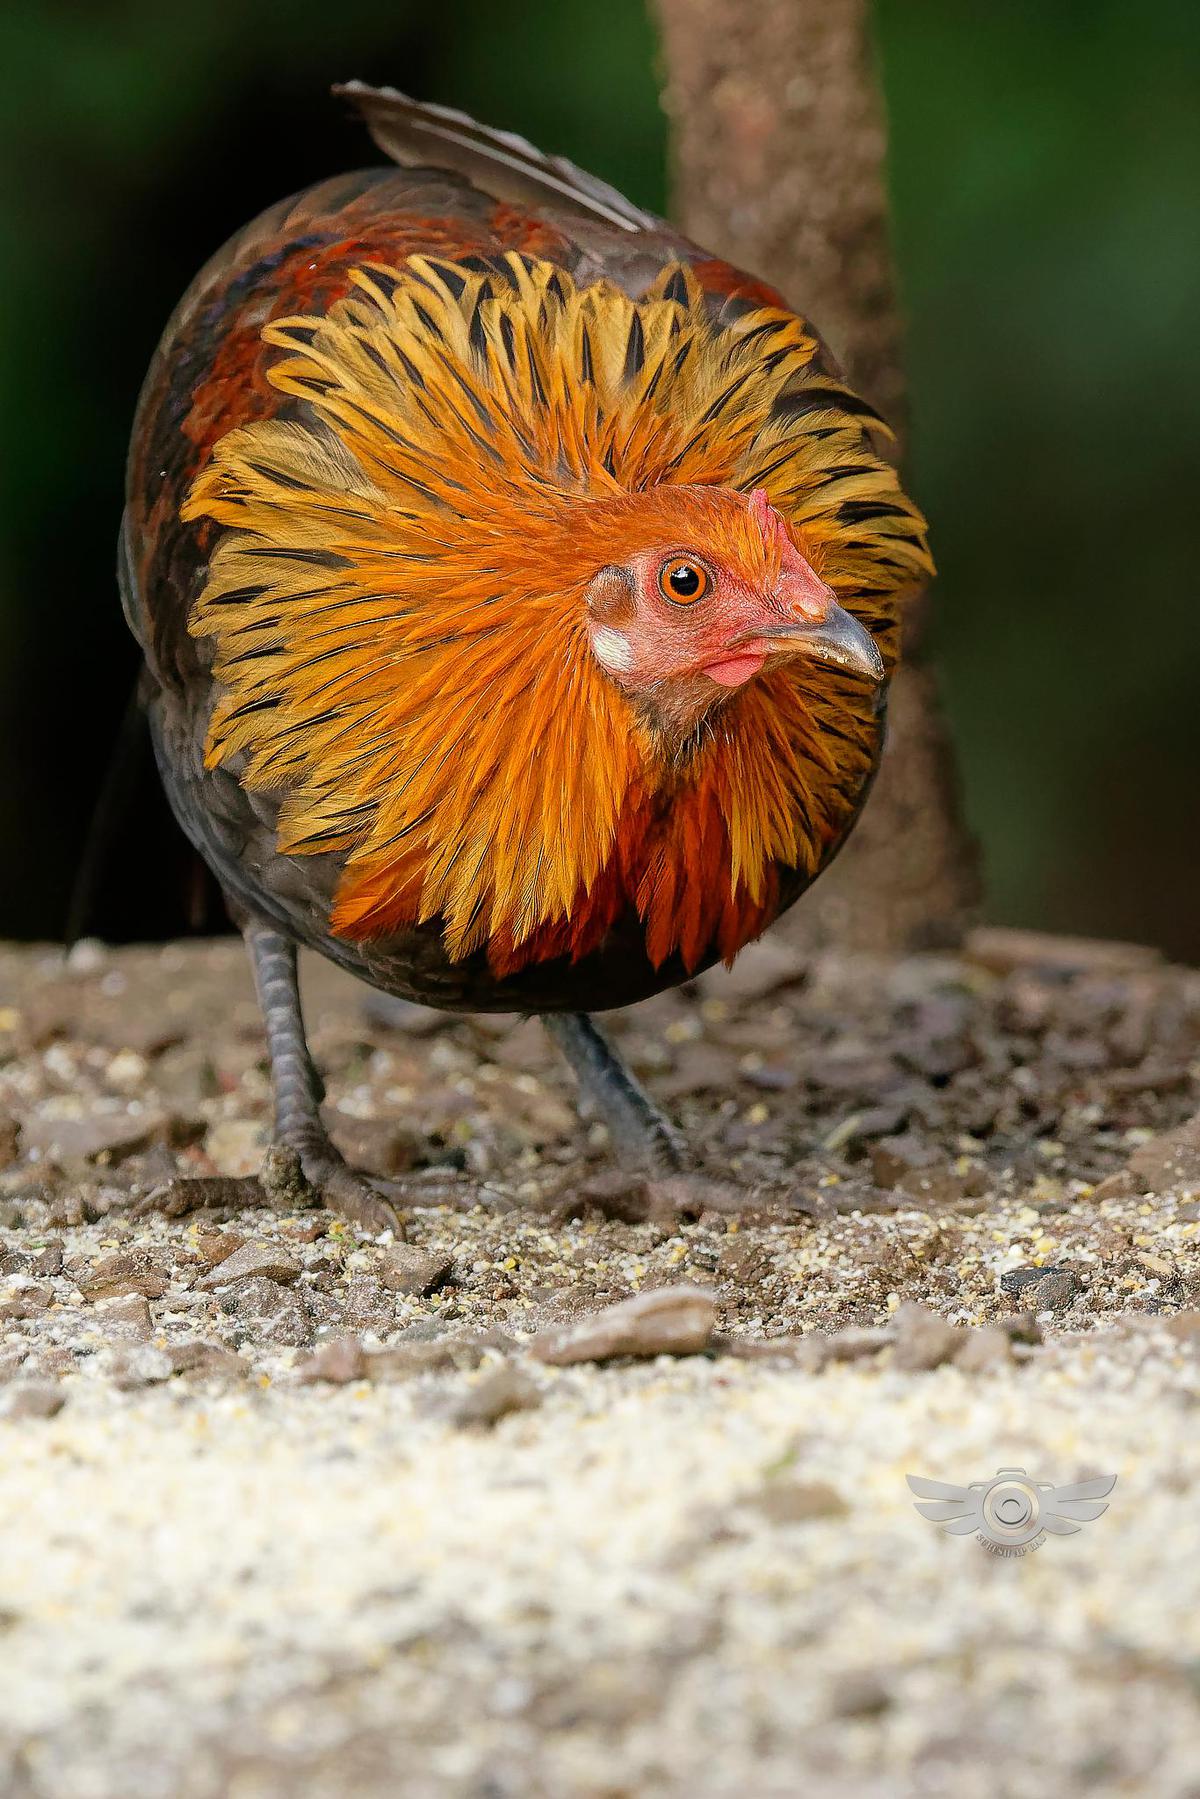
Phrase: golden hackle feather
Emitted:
{"points": [[398, 623]]}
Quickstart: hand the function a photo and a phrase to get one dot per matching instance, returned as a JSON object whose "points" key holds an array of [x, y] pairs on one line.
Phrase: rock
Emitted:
{"points": [[742, 1260], [337, 1362], [289, 1328], [493, 1397], [859, 1695], [256, 1260], [664, 1321], [404, 1361], [923, 1340], [783, 1501], [26, 1399], [48, 1260], [1021, 1280], [124, 1271], [128, 1071], [129, 1316], [200, 1360], [9, 1145], [418, 1355], [145, 1366], [368, 1305], [256, 1297], [984, 1350], [66, 1210], [403, 1269], [1019, 1327], [29, 1301], [214, 1247], [1186, 1327], [851, 1345], [1056, 1291], [1169, 1163], [812, 1351]]}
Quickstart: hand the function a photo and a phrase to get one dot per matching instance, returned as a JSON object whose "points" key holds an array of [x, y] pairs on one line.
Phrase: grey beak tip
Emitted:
{"points": [[840, 640]]}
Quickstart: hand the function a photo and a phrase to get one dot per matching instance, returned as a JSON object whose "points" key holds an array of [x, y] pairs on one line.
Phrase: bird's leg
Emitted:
{"points": [[641, 1136], [298, 1087]]}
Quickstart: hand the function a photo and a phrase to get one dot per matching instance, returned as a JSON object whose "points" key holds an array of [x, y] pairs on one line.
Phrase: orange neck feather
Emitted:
{"points": [[432, 709]]}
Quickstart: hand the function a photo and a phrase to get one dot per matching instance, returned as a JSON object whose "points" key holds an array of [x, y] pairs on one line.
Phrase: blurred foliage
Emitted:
{"points": [[1044, 166], [1045, 163]]}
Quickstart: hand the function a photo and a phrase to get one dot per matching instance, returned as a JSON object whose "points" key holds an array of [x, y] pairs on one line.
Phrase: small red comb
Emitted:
{"points": [[773, 529]]}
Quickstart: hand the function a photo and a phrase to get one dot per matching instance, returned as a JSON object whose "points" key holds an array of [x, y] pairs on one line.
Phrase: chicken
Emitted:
{"points": [[518, 587]]}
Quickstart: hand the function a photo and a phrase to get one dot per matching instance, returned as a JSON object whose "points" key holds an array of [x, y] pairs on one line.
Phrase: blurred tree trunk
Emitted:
{"points": [[779, 148]]}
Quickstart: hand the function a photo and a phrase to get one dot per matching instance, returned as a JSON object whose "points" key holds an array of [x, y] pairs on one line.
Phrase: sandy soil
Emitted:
{"points": [[290, 1511]]}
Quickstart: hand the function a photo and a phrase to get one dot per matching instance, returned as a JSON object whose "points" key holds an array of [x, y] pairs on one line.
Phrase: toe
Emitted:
{"points": [[351, 1197]]}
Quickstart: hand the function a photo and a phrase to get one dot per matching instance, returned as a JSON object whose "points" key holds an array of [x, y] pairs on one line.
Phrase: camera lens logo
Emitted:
{"points": [[1011, 1514]]}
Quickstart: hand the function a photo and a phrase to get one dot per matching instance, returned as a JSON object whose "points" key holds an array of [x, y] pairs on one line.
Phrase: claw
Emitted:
{"points": [[352, 1197]]}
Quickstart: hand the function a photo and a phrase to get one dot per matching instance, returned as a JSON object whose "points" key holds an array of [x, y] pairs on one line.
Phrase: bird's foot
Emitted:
{"points": [[314, 1173]]}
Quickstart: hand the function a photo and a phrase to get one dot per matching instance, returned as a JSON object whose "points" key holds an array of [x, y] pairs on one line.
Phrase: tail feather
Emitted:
{"points": [[414, 133]]}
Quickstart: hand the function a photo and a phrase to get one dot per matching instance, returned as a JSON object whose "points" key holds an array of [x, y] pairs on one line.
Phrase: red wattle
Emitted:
{"points": [[734, 670]]}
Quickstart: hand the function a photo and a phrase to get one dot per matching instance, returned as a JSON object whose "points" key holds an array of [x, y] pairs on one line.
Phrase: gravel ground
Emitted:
{"points": [[293, 1511]]}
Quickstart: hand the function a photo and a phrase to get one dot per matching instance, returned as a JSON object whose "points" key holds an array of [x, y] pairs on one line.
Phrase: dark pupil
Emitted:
{"points": [[684, 580]]}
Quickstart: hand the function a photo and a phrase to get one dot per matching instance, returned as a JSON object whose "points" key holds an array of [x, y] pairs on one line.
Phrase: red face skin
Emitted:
{"points": [[682, 652]]}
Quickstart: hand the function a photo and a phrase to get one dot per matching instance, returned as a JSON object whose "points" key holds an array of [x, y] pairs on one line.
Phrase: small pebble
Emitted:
{"points": [[1056, 1291], [664, 1321], [32, 1399], [337, 1362], [131, 1315], [984, 1350], [923, 1339], [264, 1260], [404, 1269], [493, 1397], [145, 1366], [784, 1501]]}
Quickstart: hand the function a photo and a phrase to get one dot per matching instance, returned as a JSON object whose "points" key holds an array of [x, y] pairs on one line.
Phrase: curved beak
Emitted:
{"points": [[838, 638]]}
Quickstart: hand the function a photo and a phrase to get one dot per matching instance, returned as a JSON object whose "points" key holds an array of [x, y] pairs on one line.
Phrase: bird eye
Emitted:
{"points": [[683, 581]]}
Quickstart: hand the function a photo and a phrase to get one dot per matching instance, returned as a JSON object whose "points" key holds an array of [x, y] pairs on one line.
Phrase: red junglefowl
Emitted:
{"points": [[518, 587]]}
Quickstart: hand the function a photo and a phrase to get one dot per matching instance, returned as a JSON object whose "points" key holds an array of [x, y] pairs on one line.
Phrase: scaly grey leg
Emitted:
{"points": [[641, 1135], [298, 1087]]}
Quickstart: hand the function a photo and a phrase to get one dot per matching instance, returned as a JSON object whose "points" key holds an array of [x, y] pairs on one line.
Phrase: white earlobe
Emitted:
{"points": [[612, 649]]}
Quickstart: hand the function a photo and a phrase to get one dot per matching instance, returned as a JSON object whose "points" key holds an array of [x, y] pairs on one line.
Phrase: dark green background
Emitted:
{"points": [[1045, 168]]}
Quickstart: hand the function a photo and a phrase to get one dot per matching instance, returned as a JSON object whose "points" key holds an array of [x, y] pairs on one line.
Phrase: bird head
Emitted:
{"points": [[720, 590]]}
